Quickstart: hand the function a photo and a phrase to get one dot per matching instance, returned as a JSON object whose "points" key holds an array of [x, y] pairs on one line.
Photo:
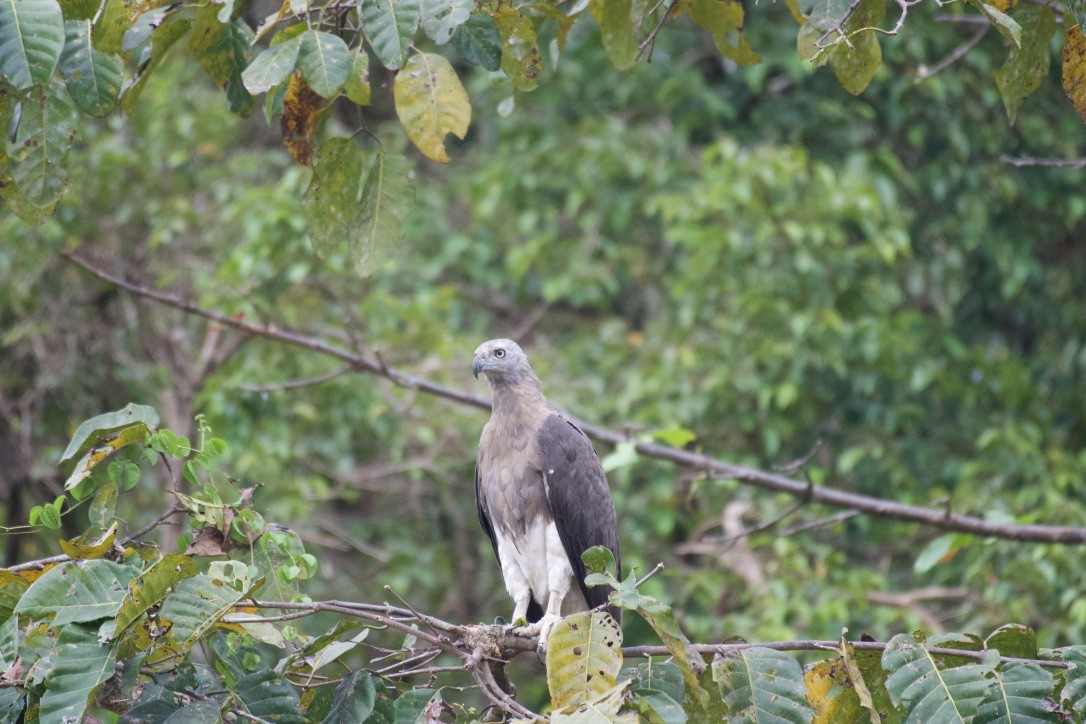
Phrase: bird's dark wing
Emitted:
{"points": [[580, 500], [484, 519]]}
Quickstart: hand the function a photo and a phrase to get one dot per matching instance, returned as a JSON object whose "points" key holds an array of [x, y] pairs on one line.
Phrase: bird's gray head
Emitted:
{"points": [[502, 361]]}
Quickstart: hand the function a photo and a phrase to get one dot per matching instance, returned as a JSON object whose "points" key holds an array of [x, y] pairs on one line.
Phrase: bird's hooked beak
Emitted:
{"points": [[476, 366]]}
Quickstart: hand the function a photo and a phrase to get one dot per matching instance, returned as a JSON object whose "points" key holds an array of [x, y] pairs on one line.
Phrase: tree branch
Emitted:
{"points": [[940, 519]]}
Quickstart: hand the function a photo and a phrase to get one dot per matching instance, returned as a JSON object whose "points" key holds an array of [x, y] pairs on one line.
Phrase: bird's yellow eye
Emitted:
{"points": [[499, 352]]}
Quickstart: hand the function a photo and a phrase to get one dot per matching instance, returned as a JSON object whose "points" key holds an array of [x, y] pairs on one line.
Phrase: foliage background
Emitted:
{"points": [[752, 256]]}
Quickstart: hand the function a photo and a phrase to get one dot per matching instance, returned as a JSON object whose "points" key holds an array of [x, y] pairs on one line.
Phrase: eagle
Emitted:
{"points": [[540, 493]]}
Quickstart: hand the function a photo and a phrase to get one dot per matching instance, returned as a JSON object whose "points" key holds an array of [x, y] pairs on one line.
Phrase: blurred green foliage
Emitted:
{"points": [[754, 256]]}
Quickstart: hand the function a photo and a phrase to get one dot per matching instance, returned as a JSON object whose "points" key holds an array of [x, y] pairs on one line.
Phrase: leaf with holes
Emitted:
{"points": [[1017, 694], [584, 655], [479, 42], [759, 683], [273, 66], [151, 587], [1027, 66], [94, 79], [81, 664], [431, 103], [78, 592], [929, 691], [520, 55], [850, 687], [195, 606], [441, 18], [31, 39], [325, 62], [389, 26], [39, 154]]}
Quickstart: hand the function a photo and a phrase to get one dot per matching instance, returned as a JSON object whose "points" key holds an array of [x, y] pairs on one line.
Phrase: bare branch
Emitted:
{"points": [[1022, 161], [295, 384], [924, 72], [948, 520]]}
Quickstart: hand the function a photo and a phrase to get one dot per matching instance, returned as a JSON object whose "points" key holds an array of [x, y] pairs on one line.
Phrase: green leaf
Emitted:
{"points": [[331, 203], [270, 697], [824, 14], [12, 704], [479, 42], [114, 428], [933, 553], [584, 655], [78, 592], [603, 709], [272, 67], [440, 18], [389, 26], [724, 19], [354, 699], [1018, 694], [1027, 66], [855, 66], [31, 39], [410, 707], [1014, 640], [599, 559], [103, 505], [195, 606], [431, 103], [81, 664], [1073, 694], [152, 586], [161, 42], [387, 197], [145, 25], [357, 87], [660, 676], [656, 706], [926, 690], [1007, 26], [1078, 9], [761, 684], [94, 79], [40, 152], [223, 51], [618, 30], [325, 62], [520, 56]]}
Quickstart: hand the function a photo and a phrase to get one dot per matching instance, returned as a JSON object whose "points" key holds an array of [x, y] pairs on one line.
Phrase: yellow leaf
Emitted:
{"points": [[1074, 69], [431, 103], [520, 55], [79, 549]]}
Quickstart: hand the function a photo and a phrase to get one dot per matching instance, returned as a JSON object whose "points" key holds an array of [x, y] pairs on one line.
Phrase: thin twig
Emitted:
{"points": [[295, 384], [1074, 535], [924, 72], [659, 567]]}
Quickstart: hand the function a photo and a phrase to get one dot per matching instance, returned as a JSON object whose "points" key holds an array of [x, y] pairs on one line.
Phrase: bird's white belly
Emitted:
{"points": [[538, 560]]}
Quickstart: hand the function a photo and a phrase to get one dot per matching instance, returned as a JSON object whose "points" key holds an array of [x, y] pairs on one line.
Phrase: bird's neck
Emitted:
{"points": [[511, 397]]}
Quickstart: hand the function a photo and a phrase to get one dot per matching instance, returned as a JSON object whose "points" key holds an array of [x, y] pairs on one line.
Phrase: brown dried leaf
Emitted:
{"points": [[1074, 69], [302, 108]]}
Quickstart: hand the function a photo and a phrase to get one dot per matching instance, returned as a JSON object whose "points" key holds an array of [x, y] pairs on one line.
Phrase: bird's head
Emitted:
{"points": [[501, 360]]}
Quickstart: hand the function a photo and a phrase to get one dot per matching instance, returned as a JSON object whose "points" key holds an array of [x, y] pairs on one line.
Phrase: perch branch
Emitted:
{"points": [[942, 520]]}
